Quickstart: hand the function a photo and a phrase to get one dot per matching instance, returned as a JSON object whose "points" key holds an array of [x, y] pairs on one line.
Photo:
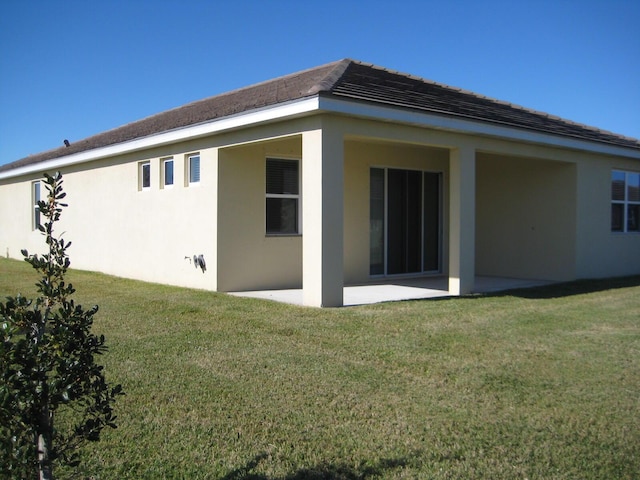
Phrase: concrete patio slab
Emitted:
{"points": [[393, 290]]}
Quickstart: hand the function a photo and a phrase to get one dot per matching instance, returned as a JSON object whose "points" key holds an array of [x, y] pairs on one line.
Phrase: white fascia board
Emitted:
{"points": [[461, 125], [319, 104], [254, 117]]}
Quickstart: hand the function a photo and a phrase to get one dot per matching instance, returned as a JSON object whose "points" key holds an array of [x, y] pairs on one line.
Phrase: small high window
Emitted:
{"points": [[194, 168], [145, 175], [625, 201], [282, 197], [167, 172], [36, 196]]}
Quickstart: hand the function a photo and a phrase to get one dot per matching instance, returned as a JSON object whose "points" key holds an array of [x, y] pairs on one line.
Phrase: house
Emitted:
{"points": [[338, 175]]}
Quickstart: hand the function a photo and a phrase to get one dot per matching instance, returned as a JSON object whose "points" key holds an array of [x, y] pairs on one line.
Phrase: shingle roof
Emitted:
{"points": [[347, 79], [374, 84]]}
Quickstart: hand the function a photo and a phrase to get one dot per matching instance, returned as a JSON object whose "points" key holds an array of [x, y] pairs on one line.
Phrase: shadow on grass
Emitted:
{"points": [[560, 290], [553, 290], [319, 472]]}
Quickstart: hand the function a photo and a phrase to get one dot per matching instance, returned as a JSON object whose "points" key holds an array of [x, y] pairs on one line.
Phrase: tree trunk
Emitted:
{"points": [[44, 440], [45, 425]]}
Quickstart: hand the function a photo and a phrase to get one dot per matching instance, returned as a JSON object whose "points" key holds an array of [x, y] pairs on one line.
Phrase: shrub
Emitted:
{"points": [[47, 364]]}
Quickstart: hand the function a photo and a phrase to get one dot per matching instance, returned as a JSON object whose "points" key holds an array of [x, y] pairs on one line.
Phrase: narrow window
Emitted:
{"points": [[282, 197], [36, 196], [167, 172], [194, 169], [145, 175], [625, 202]]}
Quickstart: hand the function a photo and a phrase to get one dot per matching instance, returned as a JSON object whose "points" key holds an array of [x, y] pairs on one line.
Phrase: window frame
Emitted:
{"points": [[36, 196], [297, 197], [164, 162], [625, 203], [141, 175], [188, 179]]}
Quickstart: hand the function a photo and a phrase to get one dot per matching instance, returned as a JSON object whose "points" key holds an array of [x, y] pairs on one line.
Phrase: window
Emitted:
{"points": [[36, 196], [625, 201], [282, 197], [145, 176], [194, 168], [167, 172]]}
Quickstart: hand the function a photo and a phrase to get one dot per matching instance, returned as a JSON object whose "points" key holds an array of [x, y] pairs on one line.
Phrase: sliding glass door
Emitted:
{"points": [[405, 213]]}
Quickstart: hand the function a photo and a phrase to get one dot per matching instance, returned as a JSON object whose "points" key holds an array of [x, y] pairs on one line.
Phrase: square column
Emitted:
{"points": [[462, 220], [322, 217]]}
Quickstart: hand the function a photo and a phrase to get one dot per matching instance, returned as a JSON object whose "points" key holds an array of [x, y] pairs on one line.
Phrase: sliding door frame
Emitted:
{"points": [[379, 222]]}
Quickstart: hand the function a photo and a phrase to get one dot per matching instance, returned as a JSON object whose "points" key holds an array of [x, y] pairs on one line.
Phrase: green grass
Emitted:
{"points": [[537, 384]]}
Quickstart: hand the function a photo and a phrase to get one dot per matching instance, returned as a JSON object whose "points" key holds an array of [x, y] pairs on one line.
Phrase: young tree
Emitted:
{"points": [[47, 365]]}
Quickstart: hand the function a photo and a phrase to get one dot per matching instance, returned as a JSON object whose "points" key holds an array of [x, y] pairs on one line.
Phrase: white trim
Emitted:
{"points": [[625, 202], [253, 117], [141, 185], [189, 157], [36, 214], [163, 172], [446, 122], [317, 103]]}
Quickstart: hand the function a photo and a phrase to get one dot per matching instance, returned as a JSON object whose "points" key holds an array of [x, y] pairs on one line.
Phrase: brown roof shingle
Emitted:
{"points": [[370, 83], [347, 79]]}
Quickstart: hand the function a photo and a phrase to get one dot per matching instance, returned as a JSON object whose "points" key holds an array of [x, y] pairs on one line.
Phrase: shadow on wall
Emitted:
{"points": [[320, 472]]}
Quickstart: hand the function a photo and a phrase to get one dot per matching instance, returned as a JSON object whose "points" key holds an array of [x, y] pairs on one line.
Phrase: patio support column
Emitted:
{"points": [[462, 221], [322, 217]]}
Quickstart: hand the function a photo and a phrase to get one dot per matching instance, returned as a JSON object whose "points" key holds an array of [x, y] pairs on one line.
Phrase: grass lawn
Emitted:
{"points": [[538, 384]]}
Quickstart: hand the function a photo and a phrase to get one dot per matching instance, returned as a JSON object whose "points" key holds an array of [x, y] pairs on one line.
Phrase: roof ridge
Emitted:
{"points": [[333, 77], [340, 66], [226, 93]]}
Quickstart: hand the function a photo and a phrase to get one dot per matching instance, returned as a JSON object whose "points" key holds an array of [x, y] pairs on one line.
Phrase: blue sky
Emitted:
{"points": [[73, 68]]}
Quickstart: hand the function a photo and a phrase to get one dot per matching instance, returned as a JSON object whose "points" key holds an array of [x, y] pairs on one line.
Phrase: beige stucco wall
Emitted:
{"points": [[540, 212], [248, 259], [600, 252], [118, 229], [360, 157], [525, 217], [16, 217]]}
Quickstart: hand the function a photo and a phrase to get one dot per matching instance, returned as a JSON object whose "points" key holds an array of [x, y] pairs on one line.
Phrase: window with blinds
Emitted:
{"points": [[194, 169], [36, 197], [282, 197]]}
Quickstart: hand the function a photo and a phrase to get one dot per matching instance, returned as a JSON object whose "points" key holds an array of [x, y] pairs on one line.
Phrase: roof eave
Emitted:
{"points": [[328, 104], [291, 109], [452, 123]]}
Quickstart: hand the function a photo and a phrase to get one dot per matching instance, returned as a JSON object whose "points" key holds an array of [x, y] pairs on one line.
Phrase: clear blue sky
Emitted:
{"points": [[73, 68]]}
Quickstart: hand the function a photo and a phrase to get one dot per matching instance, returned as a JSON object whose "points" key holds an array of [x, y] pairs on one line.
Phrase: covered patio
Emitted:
{"points": [[388, 290]]}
